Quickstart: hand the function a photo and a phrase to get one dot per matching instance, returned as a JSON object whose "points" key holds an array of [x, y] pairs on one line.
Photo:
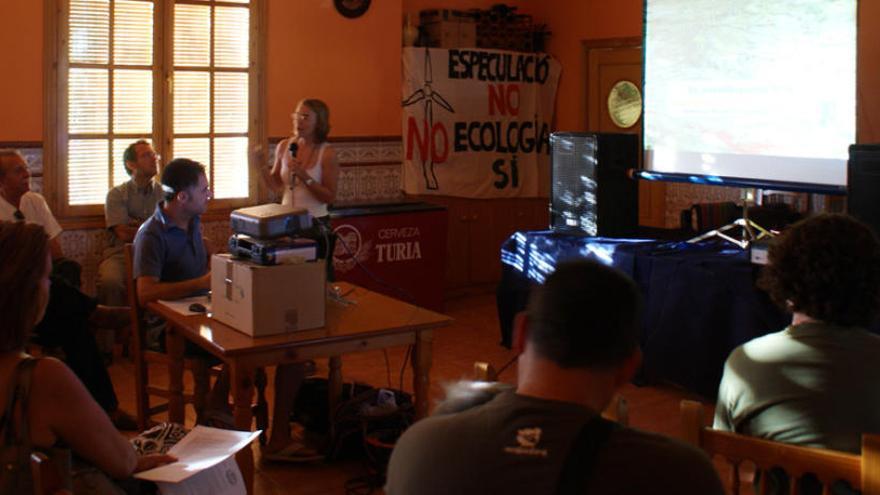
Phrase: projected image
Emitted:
{"points": [[750, 88]]}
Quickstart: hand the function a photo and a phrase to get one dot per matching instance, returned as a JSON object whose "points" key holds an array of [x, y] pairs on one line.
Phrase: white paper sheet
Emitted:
{"points": [[221, 479], [200, 449], [182, 305]]}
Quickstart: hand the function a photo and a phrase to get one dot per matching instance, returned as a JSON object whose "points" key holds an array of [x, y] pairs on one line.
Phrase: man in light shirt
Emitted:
{"points": [[19, 203], [128, 206]]}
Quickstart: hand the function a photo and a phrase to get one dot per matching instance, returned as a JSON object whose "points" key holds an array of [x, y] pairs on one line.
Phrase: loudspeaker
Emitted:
{"points": [[591, 191], [863, 184]]}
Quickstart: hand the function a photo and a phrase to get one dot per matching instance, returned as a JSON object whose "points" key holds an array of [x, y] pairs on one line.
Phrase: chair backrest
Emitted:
{"points": [[861, 472], [47, 478], [130, 283], [138, 344]]}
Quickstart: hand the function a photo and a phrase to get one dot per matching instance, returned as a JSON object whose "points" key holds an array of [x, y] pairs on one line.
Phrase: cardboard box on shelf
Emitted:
{"points": [[266, 300], [446, 28], [442, 34]]}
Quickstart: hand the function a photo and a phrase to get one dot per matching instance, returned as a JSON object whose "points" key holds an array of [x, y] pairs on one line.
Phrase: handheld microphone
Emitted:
{"points": [[293, 148]]}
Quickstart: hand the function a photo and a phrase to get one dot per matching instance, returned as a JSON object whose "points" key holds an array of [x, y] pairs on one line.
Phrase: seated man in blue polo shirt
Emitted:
{"points": [[171, 260], [170, 256]]}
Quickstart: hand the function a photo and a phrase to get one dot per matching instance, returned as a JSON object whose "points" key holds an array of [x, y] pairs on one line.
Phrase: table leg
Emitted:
{"points": [[334, 384], [174, 345], [242, 384], [421, 363]]}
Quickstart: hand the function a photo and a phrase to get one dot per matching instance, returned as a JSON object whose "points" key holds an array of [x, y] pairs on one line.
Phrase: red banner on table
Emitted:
{"points": [[401, 255]]}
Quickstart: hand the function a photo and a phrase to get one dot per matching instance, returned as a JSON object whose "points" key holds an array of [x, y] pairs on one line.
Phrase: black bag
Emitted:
{"points": [[367, 426], [311, 408], [365, 423]]}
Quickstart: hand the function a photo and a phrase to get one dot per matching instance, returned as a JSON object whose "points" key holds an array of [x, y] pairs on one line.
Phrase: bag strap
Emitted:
{"points": [[583, 455], [18, 395]]}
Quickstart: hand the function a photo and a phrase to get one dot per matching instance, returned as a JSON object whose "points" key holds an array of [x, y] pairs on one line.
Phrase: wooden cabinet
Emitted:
{"points": [[652, 204], [476, 230]]}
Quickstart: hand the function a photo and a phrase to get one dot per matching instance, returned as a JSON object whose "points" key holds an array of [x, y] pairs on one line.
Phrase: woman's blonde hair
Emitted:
{"points": [[23, 251], [322, 117]]}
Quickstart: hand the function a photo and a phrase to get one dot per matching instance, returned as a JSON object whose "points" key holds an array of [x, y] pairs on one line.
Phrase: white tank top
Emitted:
{"points": [[298, 195]]}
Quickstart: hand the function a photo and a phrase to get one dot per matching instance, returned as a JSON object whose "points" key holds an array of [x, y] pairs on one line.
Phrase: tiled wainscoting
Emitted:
{"points": [[370, 172]]}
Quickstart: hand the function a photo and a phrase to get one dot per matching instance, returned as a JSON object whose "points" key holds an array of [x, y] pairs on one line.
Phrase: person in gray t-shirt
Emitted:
{"points": [[579, 346], [128, 205], [814, 383]]}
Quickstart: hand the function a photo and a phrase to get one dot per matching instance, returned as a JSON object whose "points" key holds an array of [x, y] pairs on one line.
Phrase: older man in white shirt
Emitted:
{"points": [[19, 203]]}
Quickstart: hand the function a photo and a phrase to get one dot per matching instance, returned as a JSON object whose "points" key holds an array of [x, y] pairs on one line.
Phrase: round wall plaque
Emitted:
{"points": [[625, 104]]}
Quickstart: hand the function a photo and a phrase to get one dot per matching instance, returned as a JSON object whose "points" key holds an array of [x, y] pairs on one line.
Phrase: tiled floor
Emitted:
{"points": [[473, 337]]}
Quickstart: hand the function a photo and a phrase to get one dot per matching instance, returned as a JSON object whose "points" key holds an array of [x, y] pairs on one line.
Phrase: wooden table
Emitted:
{"points": [[371, 321]]}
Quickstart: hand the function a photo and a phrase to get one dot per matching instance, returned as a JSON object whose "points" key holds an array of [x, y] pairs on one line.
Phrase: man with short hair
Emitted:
{"points": [[170, 255], [171, 259], [127, 206], [579, 346]]}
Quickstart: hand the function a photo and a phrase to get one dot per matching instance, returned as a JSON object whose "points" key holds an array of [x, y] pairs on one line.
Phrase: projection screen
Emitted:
{"points": [[755, 89]]}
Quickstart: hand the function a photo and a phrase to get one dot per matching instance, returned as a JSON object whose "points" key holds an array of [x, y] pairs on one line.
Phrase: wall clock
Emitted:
{"points": [[352, 8]]}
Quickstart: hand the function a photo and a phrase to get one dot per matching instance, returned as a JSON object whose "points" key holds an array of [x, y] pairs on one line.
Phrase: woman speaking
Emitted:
{"points": [[307, 171]]}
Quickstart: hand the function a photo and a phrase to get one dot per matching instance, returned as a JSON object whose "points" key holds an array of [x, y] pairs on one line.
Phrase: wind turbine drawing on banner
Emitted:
{"points": [[428, 97]]}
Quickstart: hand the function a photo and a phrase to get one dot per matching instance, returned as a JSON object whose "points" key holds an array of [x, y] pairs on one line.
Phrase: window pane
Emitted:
{"points": [[87, 171], [231, 33], [198, 149], [133, 33], [89, 31], [119, 146], [87, 101], [192, 35], [133, 102], [230, 102], [230, 168], [191, 102]]}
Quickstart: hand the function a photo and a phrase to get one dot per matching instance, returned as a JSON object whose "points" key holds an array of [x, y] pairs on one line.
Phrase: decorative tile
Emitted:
{"points": [[85, 246], [218, 233], [34, 159], [37, 184], [346, 188], [681, 196], [369, 152], [359, 181]]}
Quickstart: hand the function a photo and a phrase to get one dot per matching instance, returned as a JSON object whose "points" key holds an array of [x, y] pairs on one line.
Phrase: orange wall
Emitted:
{"points": [[523, 6], [352, 64], [869, 72], [355, 64], [21, 56], [572, 21], [312, 52]]}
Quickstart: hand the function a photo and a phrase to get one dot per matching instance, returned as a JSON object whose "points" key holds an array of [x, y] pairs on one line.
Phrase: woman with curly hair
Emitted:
{"points": [[815, 382]]}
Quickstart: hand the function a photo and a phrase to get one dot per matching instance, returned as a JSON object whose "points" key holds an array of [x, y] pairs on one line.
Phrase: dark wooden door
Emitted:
{"points": [[608, 63]]}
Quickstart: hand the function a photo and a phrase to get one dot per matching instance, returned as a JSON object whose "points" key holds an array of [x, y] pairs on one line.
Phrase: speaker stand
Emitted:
{"points": [[749, 230]]}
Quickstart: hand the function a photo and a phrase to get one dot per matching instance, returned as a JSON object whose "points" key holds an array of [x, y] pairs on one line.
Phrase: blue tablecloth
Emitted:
{"points": [[700, 300]]}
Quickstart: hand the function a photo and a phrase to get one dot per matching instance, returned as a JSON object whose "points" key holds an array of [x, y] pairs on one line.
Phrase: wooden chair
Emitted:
{"points": [[142, 357], [861, 472], [485, 372], [47, 476]]}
